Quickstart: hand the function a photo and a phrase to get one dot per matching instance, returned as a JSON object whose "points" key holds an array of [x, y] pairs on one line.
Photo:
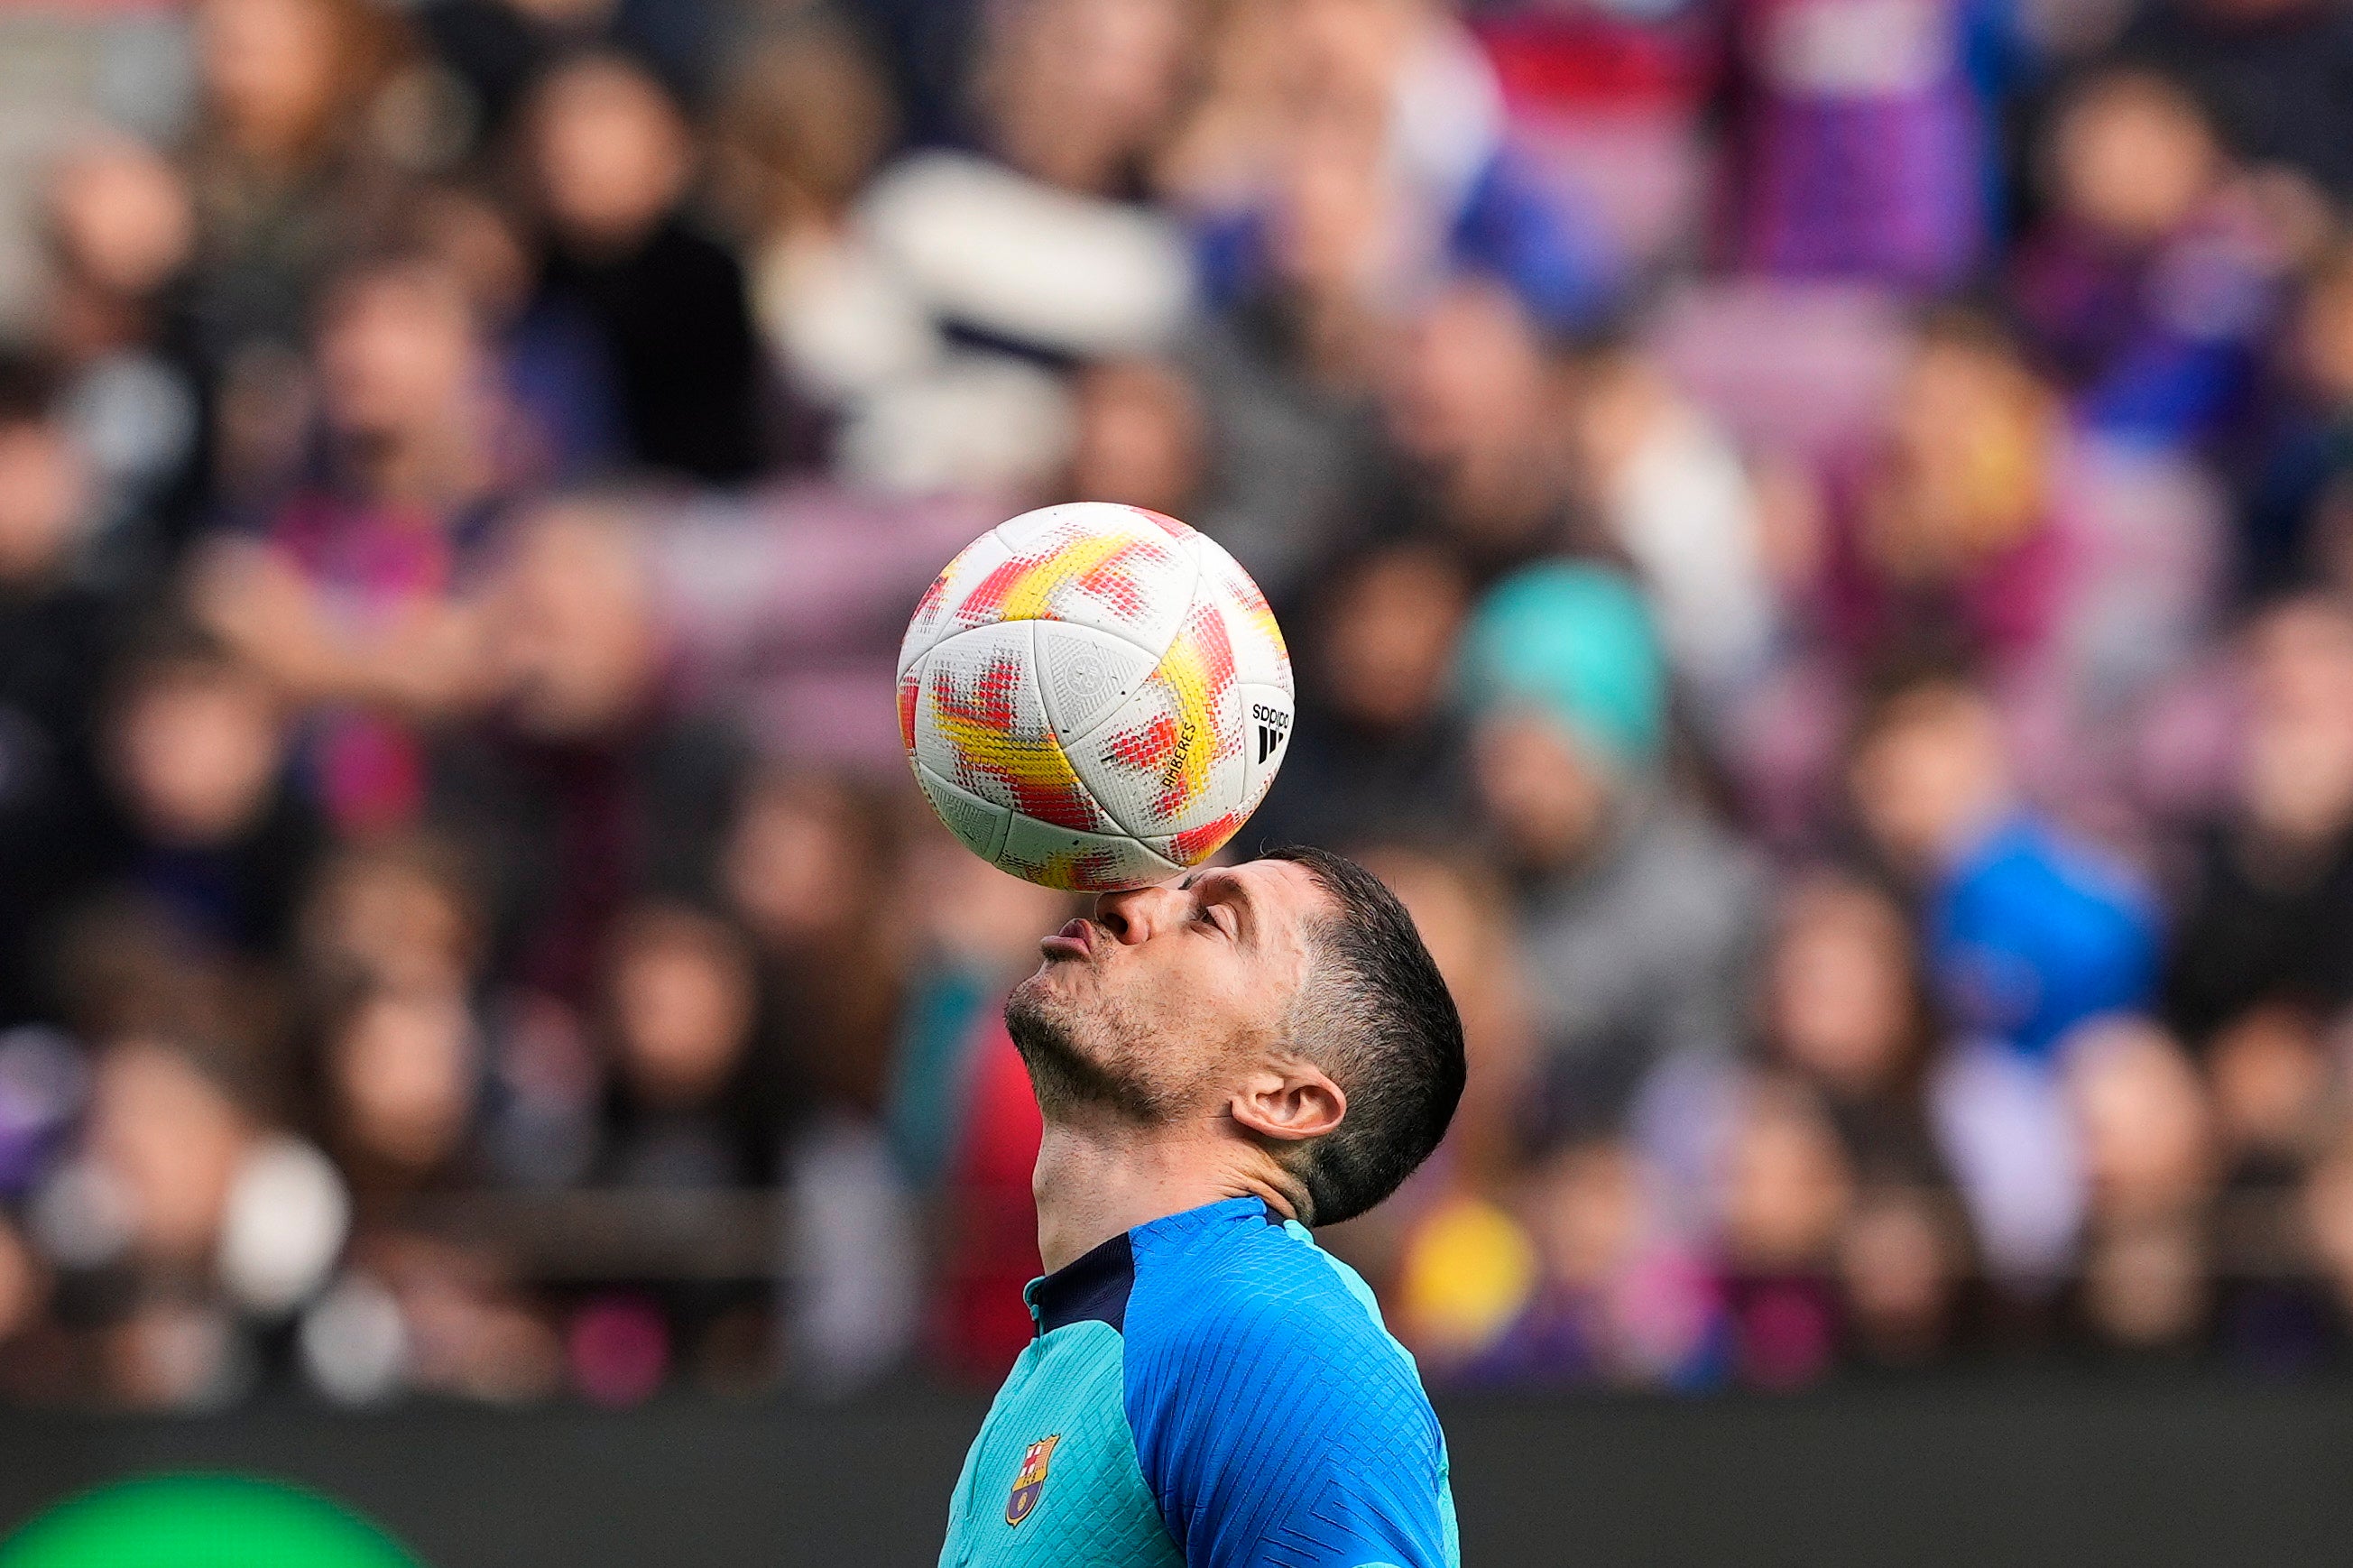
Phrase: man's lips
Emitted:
{"points": [[1075, 939]]}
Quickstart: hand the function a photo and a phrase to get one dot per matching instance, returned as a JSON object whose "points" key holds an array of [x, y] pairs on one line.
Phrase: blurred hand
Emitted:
{"points": [[427, 659]]}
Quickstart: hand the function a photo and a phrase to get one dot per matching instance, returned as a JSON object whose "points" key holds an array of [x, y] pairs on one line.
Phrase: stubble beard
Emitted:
{"points": [[1072, 1052]]}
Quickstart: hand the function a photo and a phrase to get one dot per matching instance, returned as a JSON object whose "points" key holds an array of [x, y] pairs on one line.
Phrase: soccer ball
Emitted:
{"points": [[1095, 697]]}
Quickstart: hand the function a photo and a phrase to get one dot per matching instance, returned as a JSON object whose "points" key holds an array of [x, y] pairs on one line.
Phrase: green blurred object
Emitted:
{"points": [[1577, 642], [201, 1522]]}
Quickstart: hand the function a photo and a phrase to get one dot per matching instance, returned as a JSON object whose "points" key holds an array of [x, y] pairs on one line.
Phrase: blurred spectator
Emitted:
{"points": [[1138, 438], [201, 1220], [209, 830], [1456, 1262], [1673, 493], [1951, 525], [2076, 569], [282, 164], [809, 869], [498, 48], [687, 1110], [613, 156], [23, 1296], [2152, 277], [806, 122], [1030, 248], [2274, 1086], [551, 363], [963, 1126], [806, 866], [401, 1067], [584, 788], [1261, 478], [1635, 912], [1611, 1298], [1458, 905], [1904, 1267], [54, 644], [2267, 919], [395, 912], [1784, 1190], [2323, 1223], [1863, 141], [2148, 1162], [1847, 1009], [2030, 930], [2299, 505], [349, 597], [1380, 755], [2270, 72], [1471, 410], [122, 233], [1360, 147], [417, 1313]]}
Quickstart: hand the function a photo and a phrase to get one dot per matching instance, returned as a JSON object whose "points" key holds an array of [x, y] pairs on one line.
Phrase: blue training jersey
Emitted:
{"points": [[1212, 1390]]}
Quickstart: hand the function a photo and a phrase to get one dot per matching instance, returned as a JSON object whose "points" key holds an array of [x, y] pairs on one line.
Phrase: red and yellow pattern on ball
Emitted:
{"points": [[1093, 695]]}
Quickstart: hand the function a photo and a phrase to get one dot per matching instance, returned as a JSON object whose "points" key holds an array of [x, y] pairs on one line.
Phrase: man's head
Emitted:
{"points": [[1928, 767], [400, 353], [1562, 671], [1287, 1003], [612, 151]]}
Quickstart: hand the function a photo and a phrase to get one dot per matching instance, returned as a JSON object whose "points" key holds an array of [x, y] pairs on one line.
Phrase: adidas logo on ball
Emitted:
{"points": [[1273, 724]]}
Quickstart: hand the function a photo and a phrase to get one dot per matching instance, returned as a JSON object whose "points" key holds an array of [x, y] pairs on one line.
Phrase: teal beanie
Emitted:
{"points": [[1578, 642]]}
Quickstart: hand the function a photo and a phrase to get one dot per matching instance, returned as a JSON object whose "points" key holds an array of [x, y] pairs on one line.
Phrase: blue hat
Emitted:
{"points": [[1578, 642]]}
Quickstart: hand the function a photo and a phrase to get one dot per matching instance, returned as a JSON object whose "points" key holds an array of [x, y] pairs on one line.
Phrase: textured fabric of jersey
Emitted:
{"points": [[1215, 1390]]}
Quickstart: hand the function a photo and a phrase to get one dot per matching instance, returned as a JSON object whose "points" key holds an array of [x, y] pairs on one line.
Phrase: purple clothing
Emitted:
{"points": [[1659, 1323], [371, 563], [1865, 146], [2157, 346]]}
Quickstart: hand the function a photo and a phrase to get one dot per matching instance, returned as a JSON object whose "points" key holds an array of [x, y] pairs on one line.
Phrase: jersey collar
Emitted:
{"points": [[1094, 1286]]}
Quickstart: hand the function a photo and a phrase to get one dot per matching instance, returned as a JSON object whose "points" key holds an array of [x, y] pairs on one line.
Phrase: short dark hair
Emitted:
{"points": [[1375, 1014]]}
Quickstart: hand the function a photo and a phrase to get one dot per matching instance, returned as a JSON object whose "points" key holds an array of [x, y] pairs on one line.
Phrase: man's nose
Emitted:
{"points": [[1139, 914]]}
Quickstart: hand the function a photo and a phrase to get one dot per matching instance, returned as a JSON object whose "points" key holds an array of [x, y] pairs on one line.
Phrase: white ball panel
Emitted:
{"points": [[1081, 862], [1170, 758], [1190, 849], [1260, 655], [940, 612], [1086, 674], [1092, 564], [977, 824], [980, 722]]}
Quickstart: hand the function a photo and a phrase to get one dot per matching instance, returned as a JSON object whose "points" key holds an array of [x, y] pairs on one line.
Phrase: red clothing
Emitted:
{"points": [[980, 1321]]}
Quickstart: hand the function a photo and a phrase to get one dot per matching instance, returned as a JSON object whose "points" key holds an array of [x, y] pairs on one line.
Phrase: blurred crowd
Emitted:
{"points": [[1817, 537]]}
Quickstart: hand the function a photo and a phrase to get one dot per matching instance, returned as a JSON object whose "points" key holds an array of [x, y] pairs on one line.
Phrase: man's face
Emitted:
{"points": [[1546, 793], [1147, 1009]]}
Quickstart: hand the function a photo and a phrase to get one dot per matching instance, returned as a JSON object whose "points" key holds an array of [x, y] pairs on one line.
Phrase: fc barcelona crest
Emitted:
{"points": [[1031, 1482]]}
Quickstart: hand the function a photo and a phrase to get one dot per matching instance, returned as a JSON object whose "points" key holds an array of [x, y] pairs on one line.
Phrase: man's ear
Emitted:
{"points": [[1291, 1102]]}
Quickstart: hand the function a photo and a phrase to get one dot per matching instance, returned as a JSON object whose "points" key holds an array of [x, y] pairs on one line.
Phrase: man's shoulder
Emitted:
{"points": [[1268, 1405], [1233, 1284]]}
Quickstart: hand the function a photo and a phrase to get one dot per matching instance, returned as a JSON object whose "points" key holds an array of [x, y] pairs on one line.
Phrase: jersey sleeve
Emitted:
{"points": [[1271, 1440]]}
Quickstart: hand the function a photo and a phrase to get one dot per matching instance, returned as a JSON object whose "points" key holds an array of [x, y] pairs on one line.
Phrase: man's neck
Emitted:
{"points": [[1098, 1178]]}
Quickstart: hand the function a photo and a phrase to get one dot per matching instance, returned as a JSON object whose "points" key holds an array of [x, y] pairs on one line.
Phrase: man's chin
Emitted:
{"points": [[1049, 980], [1047, 1025], [1039, 1000]]}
